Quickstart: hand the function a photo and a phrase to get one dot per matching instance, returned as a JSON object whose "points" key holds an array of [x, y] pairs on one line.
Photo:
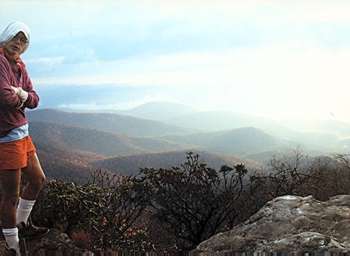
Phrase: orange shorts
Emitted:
{"points": [[15, 154]]}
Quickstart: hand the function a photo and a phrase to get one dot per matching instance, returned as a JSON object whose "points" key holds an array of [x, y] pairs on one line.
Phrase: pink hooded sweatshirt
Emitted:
{"points": [[11, 114]]}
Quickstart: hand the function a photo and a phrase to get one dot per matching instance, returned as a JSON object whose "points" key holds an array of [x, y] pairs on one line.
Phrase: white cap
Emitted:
{"points": [[12, 30]]}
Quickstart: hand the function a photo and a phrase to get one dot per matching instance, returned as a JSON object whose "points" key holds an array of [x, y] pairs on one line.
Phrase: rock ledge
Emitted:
{"points": [[288, 224]]}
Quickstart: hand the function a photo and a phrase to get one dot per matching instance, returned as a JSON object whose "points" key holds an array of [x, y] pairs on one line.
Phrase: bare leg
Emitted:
{"points": [[35, 177], [10, 181]]}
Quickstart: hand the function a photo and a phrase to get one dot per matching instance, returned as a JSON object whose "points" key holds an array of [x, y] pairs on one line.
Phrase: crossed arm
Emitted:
{"points": [[12, 96]]}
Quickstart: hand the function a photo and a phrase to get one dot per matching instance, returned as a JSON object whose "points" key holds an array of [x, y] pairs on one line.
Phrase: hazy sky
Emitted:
{"points": [[275, 58]]}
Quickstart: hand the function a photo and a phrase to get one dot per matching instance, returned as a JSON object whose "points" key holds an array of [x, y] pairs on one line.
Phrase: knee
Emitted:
{"points": [[38, 182], [42, 179]]}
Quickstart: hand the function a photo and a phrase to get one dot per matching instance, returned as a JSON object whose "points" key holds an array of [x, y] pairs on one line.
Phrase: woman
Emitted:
{"points": [[17, 152]]}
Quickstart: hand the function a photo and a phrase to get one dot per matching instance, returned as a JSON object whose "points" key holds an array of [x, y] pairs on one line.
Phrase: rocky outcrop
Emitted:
{"points": [[288, 224], [53, 244]]}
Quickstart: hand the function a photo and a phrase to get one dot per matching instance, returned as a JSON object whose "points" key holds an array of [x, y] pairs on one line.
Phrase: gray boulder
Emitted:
{"points": [[288, 224]]}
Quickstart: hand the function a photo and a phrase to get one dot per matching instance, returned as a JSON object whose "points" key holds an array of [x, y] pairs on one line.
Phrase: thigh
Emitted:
{"points": [[33, 171], [10, 182]]}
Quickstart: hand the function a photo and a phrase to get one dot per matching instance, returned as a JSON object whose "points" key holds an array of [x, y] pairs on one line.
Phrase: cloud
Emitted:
{"points": [[284, 79], [121, 105], [46, 61]]}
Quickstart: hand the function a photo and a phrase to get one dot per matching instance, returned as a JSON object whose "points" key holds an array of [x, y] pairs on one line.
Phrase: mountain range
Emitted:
{"points": [[97, 142], [107, 122], [79, 150], [73, 143]]}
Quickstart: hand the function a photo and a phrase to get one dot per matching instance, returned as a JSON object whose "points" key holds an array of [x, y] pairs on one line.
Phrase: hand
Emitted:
{"points": [[16, 89], [21, 93]]}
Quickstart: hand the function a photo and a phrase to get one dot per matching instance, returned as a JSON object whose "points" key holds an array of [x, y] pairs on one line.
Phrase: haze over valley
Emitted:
{"points": [[158, 135]]}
